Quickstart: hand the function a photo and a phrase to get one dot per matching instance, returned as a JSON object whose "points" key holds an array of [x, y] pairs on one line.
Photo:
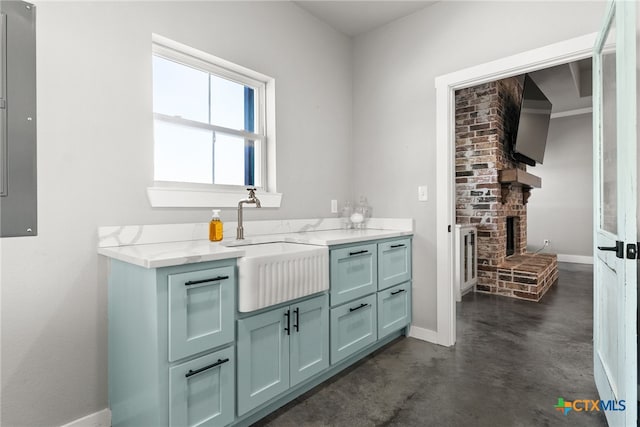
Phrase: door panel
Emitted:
{"points": [[309, 338], [615, 201], [263, 358]]}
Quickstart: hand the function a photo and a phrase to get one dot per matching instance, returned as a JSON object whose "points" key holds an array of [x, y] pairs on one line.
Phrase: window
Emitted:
{"points": [[209, 121]]}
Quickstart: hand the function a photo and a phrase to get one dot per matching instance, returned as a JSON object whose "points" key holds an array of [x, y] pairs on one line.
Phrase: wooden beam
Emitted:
{"points": [[518, 176]]}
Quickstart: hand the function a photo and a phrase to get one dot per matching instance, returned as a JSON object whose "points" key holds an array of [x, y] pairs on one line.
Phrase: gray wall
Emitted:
{"points": [[562, 210], [394, 102], [95, 163]]}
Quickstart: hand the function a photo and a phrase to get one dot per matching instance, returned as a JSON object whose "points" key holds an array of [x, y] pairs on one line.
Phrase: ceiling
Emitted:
{"points": [[357, 17], [567, 86]]}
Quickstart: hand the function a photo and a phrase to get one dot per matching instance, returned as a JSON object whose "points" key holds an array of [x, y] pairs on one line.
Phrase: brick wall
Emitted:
{"points": [[484, 117]]}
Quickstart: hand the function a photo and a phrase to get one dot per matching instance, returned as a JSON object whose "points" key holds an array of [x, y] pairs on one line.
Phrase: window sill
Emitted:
{"points": [[173, 197]]}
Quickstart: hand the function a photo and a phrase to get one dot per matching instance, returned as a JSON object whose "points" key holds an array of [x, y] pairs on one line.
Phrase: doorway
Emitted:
{"points": [[560, 53]]}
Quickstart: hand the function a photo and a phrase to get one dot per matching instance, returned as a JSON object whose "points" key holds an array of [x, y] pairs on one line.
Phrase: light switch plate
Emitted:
{"points": [[422, 193], [334, 206]]}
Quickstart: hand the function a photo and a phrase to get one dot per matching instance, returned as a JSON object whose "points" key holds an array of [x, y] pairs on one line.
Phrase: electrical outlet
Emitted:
{"points": [[334, 206], [546, 242]]}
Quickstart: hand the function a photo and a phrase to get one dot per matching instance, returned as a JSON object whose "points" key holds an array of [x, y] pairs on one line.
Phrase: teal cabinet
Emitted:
{"points": [[394, 309], [162, 325], [353, 327], [309, 342], [263, 357], [353, 272], [279, 349], [394, 262], [202, 391], [201, 310]]}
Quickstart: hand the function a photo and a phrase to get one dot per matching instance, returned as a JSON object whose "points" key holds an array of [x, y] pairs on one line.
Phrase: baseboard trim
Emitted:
{"points": [[423, 334], [578, 259], [97, 419]]}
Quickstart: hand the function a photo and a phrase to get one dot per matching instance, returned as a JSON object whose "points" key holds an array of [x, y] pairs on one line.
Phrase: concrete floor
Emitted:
{"points": [[512, 362]]}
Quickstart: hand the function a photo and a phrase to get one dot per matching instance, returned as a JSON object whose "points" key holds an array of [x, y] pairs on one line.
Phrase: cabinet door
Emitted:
{"points": [[353, 273], [394, 309], [309, 344], [201, 391], [201, 310], [263, 358], [353, 327], [394, 262]]}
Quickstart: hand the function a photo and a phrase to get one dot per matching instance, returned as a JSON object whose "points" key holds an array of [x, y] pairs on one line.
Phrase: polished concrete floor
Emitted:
{"points": [[512, 362]]}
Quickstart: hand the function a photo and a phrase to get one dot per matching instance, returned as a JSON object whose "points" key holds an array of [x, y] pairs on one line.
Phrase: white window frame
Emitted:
{"points": [[184, 194]]}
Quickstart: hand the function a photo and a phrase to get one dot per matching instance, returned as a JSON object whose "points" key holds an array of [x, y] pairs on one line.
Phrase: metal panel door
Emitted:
{"points": [[18, 195], [615, 198]]}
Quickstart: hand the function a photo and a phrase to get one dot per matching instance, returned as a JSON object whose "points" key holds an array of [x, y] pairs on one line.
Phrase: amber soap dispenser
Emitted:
{"points": [[215, 227]]}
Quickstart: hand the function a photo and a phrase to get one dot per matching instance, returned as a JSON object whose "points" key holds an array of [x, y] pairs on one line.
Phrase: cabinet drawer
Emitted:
{"points": [[353, 327], [353, 273], [394, 262], [201, 310], [394, 309], [202, 391]]}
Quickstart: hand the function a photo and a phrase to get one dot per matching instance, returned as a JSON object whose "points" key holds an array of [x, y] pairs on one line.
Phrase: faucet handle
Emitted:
{"points": [[252, 191]]}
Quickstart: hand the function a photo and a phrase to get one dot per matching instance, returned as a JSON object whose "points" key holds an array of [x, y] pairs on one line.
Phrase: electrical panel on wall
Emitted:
{"points": [[18, 186]]}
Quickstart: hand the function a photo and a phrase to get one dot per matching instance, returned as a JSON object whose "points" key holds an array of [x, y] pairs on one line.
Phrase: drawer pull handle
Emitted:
{"points": [[359, 307], [358, 252], [197, 282], [297, 321], [213, 365], [288, 316], [398, 246], [397, 292]]}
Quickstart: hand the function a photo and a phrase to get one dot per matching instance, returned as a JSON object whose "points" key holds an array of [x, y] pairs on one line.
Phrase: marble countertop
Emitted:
{"points": [[156, 255]]}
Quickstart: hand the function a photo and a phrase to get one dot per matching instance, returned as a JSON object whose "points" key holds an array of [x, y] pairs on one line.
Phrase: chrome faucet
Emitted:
{"points": [[252, 199]]}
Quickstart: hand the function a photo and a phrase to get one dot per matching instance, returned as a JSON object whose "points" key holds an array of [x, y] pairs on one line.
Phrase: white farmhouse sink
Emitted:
{"points": [[272, 273]]}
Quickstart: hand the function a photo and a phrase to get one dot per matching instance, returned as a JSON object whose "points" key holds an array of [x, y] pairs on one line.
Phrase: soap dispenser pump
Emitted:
{"points": [[215, 227]]}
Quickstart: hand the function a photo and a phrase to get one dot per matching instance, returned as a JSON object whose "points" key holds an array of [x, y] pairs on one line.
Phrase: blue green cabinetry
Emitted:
{"points": [[180, 353], [394, 285], [171, 352], [280, 348], [365, 304]]}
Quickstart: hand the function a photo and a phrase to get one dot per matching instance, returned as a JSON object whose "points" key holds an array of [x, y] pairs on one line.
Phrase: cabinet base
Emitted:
{"points": [[269, 407]]}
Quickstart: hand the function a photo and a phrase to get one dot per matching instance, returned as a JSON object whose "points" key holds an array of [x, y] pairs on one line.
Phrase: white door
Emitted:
{"points": [[615, 198]]}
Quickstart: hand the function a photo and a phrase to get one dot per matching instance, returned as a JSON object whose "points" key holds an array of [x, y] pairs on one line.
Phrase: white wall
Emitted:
{"points": [[562, 210], [394, 102], [95, 162]]}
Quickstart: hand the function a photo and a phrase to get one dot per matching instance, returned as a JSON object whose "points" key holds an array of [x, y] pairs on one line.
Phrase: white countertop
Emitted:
{"points": [[173, 253], [176, 253]]}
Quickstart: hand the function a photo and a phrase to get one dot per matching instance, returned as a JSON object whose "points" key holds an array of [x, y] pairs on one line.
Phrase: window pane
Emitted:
{"points": [[179, 90], [229, 160], [228, 104], [182, 154]]}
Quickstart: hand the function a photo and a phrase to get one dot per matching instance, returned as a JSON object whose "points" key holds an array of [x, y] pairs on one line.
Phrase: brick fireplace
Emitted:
{"points": [[492, 190]]}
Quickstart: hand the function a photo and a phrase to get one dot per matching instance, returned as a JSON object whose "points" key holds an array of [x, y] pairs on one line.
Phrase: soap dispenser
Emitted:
{"points": [[215, 227]]}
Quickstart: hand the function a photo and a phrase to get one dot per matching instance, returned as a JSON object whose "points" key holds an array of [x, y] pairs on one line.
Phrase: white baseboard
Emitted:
{"points": [[97, 419], [578, 259], [423, 334]]}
